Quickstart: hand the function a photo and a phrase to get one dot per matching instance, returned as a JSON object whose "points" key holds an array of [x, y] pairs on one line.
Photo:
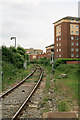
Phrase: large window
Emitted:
{"points": [[72, 49], [72, 32], [59, 33], [71, 26], [76, 32], [59, 44], [72, 43], [72, 55], [59, 55], [59, 49], [77, 49], [76, 38], [72, 38], [76, 44], [59, 38], [77, 55], [76, 26], [56, 39]]}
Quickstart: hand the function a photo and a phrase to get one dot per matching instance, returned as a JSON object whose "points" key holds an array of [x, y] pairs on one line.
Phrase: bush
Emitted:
{"points": [[21, 50], [7, 54], [63, 61], [13, 55]]}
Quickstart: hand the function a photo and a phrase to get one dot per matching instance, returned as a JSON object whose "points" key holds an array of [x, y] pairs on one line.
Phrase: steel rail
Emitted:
{"points": [[18, 113], [17, 85]]}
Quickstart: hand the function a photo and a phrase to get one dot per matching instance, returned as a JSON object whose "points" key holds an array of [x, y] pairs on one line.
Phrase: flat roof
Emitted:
{"points": [[50, 45], [69, 18]]}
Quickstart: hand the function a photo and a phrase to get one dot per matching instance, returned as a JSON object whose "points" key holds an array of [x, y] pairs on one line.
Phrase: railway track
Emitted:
{"points": [[14, 103]]}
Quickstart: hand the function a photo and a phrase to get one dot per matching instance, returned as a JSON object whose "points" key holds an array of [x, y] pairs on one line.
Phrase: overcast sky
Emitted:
{"points": [[31, 21]]}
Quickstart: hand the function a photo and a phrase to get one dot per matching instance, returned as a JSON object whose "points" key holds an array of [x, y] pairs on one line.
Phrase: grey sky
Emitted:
{"points": [[31, 21]]}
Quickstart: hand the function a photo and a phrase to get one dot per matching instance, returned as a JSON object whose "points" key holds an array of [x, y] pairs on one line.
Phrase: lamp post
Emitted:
{"points": [[15, 40], [52, 50]]}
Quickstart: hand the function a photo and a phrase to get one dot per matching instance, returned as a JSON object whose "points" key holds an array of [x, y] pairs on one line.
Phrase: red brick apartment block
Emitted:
{"points": [[42, 55], [67, 38]]}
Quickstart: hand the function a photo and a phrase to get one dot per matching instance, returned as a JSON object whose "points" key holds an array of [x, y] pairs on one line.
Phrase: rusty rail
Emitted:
{"points": [[6, 93], [18, 113]]}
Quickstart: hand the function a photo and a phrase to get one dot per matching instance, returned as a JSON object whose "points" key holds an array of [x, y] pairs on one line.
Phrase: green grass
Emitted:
{"points": [[70, 83], [12, 74], [66, 90], [63, 106]]}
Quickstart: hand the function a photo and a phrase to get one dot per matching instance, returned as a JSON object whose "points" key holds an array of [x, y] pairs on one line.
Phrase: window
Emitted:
{"points": [[72, 43], [71, 26], [72, 55], [76, 32], [72, 49], [76, 44], [59, 44], [59, 27], [77, 49], [72, 32], [56, 39], [59, 33], [76, 21], [59, 49], [76, 26], [76, 38], [59, 38], [71, 20], [72, 38], [59, 55], [56, 55], [77, 55]]}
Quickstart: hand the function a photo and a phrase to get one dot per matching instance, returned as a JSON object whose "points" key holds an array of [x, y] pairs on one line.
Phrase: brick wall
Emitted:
{"points": [[72, 62]]}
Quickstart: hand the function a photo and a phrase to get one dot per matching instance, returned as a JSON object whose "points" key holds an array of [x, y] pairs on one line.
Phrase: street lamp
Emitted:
{"points": [[15, 40], [52, 50]]}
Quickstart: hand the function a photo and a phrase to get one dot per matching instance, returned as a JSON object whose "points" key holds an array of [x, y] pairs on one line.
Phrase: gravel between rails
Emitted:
{"points": [[33, 110], [12, 102]]}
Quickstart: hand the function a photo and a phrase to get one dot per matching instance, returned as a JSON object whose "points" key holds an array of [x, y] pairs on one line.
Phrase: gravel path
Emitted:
{"points": [[12, 102]]}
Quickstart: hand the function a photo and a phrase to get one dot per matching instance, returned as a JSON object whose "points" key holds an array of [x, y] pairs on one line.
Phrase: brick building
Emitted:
{"points": [[67, 38], [48, 51], [42, 55], [33, 53]]}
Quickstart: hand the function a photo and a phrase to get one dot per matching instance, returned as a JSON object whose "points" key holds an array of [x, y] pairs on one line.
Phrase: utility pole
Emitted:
{"points": [[52, 50]]}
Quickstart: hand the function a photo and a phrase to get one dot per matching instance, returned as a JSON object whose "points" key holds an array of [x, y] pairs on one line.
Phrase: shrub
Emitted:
{"points": [[63, 61], [13, 49], [21, 50], [13, 55]]}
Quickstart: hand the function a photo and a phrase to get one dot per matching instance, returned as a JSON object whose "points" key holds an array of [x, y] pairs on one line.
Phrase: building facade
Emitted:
{"points": [[42, 55], [48, 51], [67, 38], [33, 53]]}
